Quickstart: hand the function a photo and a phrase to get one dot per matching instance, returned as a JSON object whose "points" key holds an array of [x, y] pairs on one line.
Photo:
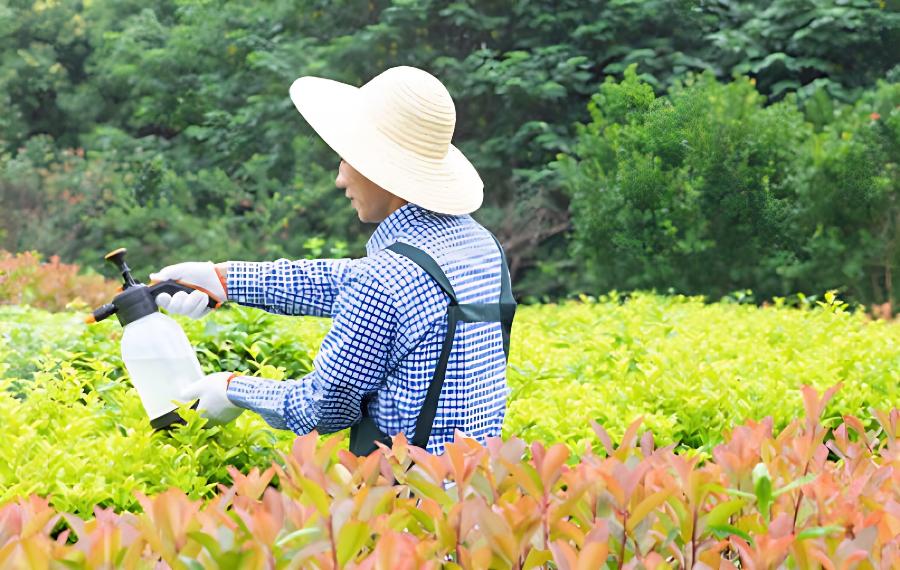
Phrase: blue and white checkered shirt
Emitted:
{"points": [[389, 321]]}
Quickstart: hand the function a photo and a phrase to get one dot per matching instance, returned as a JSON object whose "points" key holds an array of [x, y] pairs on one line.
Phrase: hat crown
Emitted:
{"points": [[413, 109]]}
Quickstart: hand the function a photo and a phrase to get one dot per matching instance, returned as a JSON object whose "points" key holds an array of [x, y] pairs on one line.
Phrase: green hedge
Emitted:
{"points": [[690, 369], [74, 429]]}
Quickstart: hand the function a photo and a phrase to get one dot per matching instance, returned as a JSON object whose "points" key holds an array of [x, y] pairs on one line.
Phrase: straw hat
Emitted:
{"points": [[395, 130]]}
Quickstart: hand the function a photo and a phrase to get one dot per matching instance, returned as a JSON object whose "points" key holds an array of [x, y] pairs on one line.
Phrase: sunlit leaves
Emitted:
{"points": [[570, 364], [691, 370]]}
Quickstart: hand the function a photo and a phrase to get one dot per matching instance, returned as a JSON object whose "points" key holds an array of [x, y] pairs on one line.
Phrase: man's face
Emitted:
{"points": [[371, 202]]}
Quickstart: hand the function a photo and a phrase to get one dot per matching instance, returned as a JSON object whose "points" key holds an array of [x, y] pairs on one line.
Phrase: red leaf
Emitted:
{"points": [[564, 555]]}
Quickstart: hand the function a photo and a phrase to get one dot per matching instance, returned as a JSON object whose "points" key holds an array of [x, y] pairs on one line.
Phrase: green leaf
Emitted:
{"points": [[721, 512], [536, 557], [427, 489], [726, 530], [351, 538], [819, 531], [762, 486], [316, 494], [739, 493], [208, 542], [796, 483], [302, 532]]}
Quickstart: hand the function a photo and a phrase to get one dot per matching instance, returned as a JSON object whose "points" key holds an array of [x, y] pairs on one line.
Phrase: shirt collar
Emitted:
{"points": [[393, 226]]}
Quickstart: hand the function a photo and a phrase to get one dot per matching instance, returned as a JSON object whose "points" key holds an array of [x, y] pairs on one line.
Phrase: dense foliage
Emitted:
{"points": [[708, 191], [767, 500], [74, 428], [690, 369], [165, 126]]}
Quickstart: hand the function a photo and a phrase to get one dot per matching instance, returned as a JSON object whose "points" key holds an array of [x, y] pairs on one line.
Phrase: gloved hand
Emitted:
{"points": [[207, 280], [214, 404]]}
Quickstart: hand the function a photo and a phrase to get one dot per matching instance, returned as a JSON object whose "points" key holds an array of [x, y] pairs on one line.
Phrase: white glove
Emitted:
{"points": [[202, 276], [214, 404], [193, 305]]}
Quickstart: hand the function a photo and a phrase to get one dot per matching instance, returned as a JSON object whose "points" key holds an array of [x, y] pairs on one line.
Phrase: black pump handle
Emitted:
{"points": [[171, 287]]}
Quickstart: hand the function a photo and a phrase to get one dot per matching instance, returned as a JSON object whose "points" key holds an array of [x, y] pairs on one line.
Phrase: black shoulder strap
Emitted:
{"points": [[428, 264], [425, 420], [504, 311], [507, 301]]}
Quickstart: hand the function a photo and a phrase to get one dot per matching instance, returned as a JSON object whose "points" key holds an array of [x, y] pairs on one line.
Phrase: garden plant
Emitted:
{"points": [[699, 203]]}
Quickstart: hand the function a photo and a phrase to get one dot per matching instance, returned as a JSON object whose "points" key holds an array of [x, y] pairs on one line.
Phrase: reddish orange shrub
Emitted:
{"points": [[51, 285], [804, 498], [883, 311]]}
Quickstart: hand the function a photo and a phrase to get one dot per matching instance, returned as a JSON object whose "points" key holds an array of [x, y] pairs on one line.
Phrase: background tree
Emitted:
{"points": [[184, 104]]}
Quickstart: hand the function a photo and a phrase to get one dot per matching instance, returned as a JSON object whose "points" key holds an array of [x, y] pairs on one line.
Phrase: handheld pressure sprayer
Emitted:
{"points": [[157, 354]]}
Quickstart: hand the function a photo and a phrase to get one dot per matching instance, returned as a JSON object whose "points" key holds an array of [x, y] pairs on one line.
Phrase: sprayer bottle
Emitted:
{"points": [[157, 354]]}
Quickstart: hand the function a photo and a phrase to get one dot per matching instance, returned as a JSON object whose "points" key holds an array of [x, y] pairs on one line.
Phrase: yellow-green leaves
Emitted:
{"points": [[591, 493], [691, 370], [351, 539]]}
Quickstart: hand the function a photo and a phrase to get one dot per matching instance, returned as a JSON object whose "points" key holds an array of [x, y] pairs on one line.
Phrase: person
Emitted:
{"points": [[420, 325]]}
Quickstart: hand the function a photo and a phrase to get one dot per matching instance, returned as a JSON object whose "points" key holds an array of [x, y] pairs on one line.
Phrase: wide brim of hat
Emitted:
{"points": [[335, 110]]}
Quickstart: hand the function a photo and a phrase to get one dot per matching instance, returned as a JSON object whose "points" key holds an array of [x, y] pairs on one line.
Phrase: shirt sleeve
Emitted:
{"points": [[303, 287], [352, 362]]}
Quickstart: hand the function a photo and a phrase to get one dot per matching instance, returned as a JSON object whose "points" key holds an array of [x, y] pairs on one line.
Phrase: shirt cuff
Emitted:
{"points": [[243, 282], [265, 397]]}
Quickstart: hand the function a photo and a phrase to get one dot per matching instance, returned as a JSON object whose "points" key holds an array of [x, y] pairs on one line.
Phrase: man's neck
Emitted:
{"points": [[388, 230]]}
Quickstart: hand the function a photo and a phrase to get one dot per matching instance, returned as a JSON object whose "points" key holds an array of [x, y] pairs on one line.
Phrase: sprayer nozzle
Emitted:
{"points": [[114, 253], [101, 313], [117, 257]]}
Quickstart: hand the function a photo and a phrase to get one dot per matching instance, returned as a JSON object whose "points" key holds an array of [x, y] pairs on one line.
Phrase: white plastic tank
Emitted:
{"points": [[161, 362]]}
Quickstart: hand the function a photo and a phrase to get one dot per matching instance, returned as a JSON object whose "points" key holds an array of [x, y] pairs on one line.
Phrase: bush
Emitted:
{"points": [[128, 196], [690, 369], [766, 500], [75, 430], [848, 207], [690, 192], [25, 280], [707, 191], [85, 441]]}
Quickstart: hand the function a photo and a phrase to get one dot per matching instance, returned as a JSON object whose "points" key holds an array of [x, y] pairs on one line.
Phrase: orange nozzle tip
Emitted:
{"points": [[90, 319], [114, 252]]}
